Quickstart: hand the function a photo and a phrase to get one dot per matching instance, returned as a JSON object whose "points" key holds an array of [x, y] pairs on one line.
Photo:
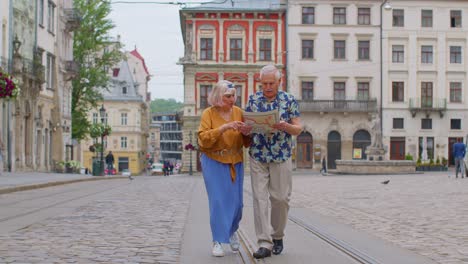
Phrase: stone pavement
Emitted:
{"points": [[423, 213]]}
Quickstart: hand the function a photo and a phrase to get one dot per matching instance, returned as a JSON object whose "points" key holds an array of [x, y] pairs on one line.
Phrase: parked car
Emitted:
{"points": [[157, 168], [126, 172]]}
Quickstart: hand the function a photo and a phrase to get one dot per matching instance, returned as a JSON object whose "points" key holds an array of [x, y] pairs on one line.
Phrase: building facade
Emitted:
{"points": [[170, 136], [333, 60], [229, 41], [127, 113], [425, 99], [38, 122]]}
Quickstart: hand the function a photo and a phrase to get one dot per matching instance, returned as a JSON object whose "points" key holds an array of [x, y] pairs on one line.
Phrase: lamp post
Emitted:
{"points": [[102, 113], [190, 141], [386, 5]]}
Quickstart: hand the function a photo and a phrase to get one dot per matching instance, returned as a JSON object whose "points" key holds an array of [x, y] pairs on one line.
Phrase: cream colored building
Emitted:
{"points": [[333, 70], [127, 113], [425, 99], [38, 122], [5, 60]]}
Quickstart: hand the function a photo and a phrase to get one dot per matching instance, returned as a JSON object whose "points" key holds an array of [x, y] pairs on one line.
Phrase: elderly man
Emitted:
{"points": [[270, 162]]}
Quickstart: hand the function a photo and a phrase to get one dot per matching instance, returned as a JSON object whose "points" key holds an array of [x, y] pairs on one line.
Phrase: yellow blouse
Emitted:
{"points": [[223, 147]]}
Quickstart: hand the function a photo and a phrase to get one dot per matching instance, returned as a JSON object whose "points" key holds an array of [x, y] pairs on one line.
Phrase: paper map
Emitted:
{"points": [[262, 122]]}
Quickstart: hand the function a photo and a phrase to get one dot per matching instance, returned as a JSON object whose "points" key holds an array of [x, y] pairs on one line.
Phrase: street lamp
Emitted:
{"points": [[102, 114], [190, 141], [386, 5]]}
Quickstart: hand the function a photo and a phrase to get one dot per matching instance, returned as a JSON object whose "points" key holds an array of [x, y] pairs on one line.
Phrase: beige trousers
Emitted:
{"points": [[271, 184]]}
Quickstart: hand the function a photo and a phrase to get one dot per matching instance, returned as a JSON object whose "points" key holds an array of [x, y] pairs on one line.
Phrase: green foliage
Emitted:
{"points": [[95, 54], [444, 161], [418, 162], [99, 129], [165, 105], [431, 161], [437, 160], [408, 157]]}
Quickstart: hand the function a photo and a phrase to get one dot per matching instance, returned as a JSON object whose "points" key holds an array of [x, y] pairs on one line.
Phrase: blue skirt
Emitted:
{"points": [[224, 197]]}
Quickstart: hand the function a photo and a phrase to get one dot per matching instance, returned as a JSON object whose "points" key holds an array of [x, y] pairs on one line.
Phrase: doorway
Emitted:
{"points": [[333, 149], [304, 150]]}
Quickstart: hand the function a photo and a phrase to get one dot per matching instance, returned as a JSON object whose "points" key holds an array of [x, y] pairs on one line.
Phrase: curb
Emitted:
{"points": [[50, 184]]}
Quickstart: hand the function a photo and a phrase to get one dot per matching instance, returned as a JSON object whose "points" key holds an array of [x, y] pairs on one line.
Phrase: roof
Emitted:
{"points": [[238, 5], [138, 55]]}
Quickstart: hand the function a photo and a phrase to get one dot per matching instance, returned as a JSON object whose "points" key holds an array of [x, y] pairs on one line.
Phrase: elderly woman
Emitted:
{"points": [[221, 145]]}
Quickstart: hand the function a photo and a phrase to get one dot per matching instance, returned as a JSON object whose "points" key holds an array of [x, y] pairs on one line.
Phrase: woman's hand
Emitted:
{"points": [[235, 125], [246, 129]]}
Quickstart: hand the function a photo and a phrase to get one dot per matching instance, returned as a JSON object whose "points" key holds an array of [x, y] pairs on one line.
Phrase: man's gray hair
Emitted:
{"points": [[270, 68]]}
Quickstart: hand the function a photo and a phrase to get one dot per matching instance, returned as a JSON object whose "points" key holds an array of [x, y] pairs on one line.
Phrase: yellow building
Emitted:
{"points": [[127, 112]]}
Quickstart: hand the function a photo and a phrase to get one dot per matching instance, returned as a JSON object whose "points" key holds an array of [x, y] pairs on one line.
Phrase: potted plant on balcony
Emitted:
{"points": [[9, 88]]}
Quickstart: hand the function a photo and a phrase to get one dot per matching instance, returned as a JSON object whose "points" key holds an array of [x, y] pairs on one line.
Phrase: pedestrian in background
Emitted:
{"points": [[459, 149], [110, 162], [270, 162], [222, 164]]}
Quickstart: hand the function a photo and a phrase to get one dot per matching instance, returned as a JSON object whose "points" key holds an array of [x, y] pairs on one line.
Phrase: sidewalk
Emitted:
{"points": [[21, 181]]}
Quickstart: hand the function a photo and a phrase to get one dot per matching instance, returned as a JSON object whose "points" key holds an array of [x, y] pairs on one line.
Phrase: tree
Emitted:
{"points": [[165, 105], [95, 53]]}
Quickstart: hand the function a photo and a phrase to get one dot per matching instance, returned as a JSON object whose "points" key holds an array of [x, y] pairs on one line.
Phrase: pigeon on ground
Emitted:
{"points": [[130, 177], [385, 182]]}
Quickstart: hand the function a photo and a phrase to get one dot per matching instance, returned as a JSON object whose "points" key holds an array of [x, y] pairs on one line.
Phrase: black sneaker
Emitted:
{"points": [[277, 246], [262, 253]]}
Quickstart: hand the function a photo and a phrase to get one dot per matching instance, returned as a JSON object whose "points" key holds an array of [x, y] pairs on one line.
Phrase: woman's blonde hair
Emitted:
{"points": [[215, 98]]}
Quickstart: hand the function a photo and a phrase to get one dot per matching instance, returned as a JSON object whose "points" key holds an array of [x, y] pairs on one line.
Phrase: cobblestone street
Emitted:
{"points": [[140, 222], [425, 213]]}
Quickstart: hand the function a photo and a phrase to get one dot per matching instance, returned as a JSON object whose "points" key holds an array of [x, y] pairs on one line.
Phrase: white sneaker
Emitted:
{"points": [[218, 250], [234, 241]]}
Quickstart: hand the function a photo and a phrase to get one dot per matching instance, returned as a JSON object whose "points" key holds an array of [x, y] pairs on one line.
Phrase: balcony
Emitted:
{"points": [[5, 64], [427, 106], [72, 68], [72, 19], [356, 106]]}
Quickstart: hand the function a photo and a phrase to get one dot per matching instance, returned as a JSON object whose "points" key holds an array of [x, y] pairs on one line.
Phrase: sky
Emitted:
{"points": [[154, 29]]}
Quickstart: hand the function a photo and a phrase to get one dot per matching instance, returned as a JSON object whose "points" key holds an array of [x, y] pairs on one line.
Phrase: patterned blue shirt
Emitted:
{"points": [[275, 147]]}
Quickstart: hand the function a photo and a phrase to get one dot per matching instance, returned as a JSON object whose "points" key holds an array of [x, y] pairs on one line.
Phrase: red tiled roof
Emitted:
{"points": [[138, 55]]}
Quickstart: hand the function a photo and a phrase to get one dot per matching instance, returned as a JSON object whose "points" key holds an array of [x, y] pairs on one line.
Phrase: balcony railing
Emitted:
{"points": [[427, 105], [72, 18], [338, 105], [5, 64], [72, 67]]}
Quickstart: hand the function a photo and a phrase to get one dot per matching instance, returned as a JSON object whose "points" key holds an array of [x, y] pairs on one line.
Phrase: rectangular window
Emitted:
{"points": [[308, 15], [340, 49], [235, 49], [455, 92], [95, 118], [397, 91], [364, 16], [238, 95], [124, 90], [206, 49], [398, 18], [426, 123], [41, 12], [455, 124], [123, 119], [51, 17], [204, 92], [363, 49], [265, 50], [123, 142], [339, 91], [398, 53], [307, 49], [339, 15], [426, 54], [363, 91], [426, 18], [50, 73], [426, 94], [455, 54], [455, 18], [398, 123], [307, 90]]}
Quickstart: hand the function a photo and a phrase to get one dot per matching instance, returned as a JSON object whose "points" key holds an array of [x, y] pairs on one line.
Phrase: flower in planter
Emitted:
{"points": [[9, 87], [189, 146]]}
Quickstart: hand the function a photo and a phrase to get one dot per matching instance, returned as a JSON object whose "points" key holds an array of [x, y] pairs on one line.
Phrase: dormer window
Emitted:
{"points": [[124, 90]]}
